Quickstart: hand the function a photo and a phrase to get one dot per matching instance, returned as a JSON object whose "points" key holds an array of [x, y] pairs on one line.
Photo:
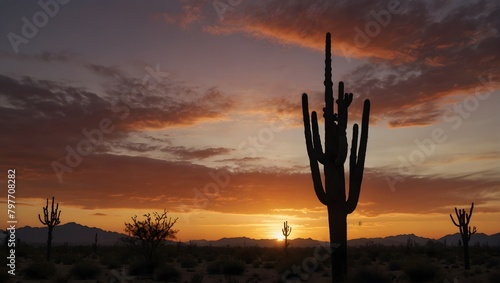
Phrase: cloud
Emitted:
{"points": [[418, 53], [119, 181], [43, 118], [45, 56], [193, 153]]}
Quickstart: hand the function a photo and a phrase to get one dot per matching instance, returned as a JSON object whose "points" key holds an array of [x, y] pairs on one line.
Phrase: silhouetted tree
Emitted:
{"points": [[465, 231], [147, 235], [287, 230], [333, 194], [50, 220]]}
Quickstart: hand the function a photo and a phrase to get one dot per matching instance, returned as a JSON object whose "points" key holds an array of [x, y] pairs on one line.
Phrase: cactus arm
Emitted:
{"points": [[318, 185], [363, 139], [41, 219], [320, 156], [357, 163], [454, 221], [470, 213], [354, 187]]}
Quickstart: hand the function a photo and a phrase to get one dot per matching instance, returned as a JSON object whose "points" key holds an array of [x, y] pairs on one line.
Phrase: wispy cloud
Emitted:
{"points": [[418, 52]]}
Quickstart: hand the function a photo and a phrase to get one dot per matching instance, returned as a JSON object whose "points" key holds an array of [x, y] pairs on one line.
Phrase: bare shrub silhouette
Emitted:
{"points": [[149, 234]]}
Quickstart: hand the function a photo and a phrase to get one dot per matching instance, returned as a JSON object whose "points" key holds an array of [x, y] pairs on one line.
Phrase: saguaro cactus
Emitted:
{"points": [[50, 221], [287, 230], [333, 193], [465, 230]]}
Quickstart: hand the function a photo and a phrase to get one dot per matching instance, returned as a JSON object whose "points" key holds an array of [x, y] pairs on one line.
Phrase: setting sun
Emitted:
{"points": [[279, 236]]}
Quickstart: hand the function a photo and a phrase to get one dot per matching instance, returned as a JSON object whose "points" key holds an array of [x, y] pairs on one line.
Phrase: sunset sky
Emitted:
{"points": [[118, 108]]}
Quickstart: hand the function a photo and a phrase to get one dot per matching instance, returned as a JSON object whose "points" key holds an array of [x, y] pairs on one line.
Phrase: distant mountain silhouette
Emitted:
{"points": [[478, 238], [75, 234], [71, 233], [244, 241], [390, 240]]}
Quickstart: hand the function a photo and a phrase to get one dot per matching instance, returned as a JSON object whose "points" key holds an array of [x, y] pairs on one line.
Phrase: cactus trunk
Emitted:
{"points": [[333, 193], [338, 240]]}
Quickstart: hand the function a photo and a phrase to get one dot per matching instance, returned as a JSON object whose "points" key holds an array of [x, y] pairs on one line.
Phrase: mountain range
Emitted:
{"points": [[75, 234]]}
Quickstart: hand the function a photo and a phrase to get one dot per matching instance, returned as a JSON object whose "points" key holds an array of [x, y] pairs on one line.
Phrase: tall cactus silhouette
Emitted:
{"points": [[333, 193], [50, 221], [287, 230], [465, 230]]}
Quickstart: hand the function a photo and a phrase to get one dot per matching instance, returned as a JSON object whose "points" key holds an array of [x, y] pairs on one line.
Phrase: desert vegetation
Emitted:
{"points": [[50, 219], [432, 262]]}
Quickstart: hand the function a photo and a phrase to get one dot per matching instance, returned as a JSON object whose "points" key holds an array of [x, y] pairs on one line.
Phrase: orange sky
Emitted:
{"points": [[179, 105]]}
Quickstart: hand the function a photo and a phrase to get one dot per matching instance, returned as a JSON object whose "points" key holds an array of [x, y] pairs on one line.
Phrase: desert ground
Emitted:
{"points": [[433, 262]]}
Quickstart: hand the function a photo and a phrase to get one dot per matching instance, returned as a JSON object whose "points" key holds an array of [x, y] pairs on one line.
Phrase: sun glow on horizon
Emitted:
{"points": [[279, 237]]}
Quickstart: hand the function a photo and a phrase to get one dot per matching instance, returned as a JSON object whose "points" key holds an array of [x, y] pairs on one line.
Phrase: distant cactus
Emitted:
{"points": [[94, 245], [333, 194], [50, 221], [465, 231], [287, 230]]}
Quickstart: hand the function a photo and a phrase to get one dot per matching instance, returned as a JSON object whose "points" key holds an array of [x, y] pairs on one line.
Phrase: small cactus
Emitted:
{"points": [[50, 221], [465, 231], [287, 230]]}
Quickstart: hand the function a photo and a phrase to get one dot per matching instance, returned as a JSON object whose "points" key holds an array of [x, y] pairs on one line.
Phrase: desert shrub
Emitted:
{"points": [[478, 270], [285, 265], [248, 255], [256, 264], [67, 258], [368, 275], [385, 256], [421, 270], [85, 270], [493, 277], [60, 278], [213, 267], [188, 262], [197, 278], [449, 258], [395, 265], [208, 257], [477, 260], [167, 273], [233, 267], [364, 260], [226, 267], [110, 261], [268, 265], [39, 270], [140, 267], [492, 262]]}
